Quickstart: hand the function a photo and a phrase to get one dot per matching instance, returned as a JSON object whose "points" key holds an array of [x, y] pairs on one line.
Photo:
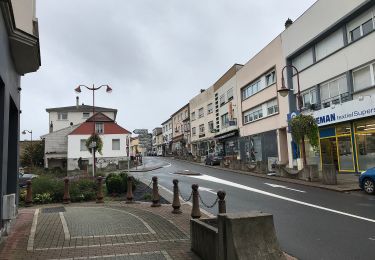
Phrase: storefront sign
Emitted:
{"points": [[347, 111]]}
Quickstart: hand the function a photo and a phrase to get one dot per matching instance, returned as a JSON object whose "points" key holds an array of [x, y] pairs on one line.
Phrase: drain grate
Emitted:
{"points": [[53, 210]]}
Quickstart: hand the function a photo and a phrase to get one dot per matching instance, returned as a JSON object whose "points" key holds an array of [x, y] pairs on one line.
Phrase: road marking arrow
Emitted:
{"points": [[283, 187], [207, 189]]}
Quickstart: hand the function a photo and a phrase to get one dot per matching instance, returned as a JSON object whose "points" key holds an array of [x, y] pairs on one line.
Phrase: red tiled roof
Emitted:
{"points": [[87, 128], [99, 117]]}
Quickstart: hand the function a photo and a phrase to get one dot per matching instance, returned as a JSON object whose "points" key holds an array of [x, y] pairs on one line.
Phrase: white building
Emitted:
{"points": [[202, 122], [62, 117], [114, 139], [332, 46], [167, 129]]}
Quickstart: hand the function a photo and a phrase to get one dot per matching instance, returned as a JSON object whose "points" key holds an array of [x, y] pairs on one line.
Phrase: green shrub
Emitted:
{"points": [[43, 198], [22, 195], [83, 190], [48, 184], [118, 183], [147, 196]]}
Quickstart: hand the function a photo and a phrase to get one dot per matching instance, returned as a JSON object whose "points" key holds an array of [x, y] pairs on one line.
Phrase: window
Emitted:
{"points": [[115, 144], [85, 114], [272, 107], [224, 120], [201, 112], [192, 116], [334, 92], [230, 94], [363, 77], [210, 108], [303, 60], [253, 114], [251, 89], [210, 126], [62, 116], [99, 128], [83, 146], [309, 97], [222, 99], [271, 78], [362, 30], [194, 130], [201, 128], [330, 44]]}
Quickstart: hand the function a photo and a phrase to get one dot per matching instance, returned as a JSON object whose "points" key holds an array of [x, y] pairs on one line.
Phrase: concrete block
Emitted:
{"points": [[329, 174], [204, 238], [248, 236]]}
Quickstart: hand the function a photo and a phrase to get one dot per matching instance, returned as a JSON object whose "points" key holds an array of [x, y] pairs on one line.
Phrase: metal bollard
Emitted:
{"points": [[195, 211], [176, 198], [222, 206], [129, 193], [66, 198], [29, 194], [99, 195], [155, 193]]}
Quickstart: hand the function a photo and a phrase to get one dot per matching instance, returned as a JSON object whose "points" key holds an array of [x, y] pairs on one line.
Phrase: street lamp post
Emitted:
{"points": [[284, 91], [31, 144], [93, 89]]}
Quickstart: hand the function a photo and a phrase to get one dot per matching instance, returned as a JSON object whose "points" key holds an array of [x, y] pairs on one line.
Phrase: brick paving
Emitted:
{"points": [[112, 230]]}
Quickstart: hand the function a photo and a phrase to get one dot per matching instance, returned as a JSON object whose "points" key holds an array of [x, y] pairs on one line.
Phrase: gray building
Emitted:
{"points": [[19, 54]]}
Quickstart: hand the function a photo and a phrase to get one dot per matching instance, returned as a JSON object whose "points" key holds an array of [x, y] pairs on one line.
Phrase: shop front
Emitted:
{"points": [[347, 135], [227, 144]]}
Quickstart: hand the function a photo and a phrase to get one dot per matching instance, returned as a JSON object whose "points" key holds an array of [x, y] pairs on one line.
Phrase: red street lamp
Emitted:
{"points": [[284, 91], [93, 89]]}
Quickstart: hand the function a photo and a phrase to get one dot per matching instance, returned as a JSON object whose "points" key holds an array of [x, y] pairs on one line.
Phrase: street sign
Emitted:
{"points": [[140, 131]]}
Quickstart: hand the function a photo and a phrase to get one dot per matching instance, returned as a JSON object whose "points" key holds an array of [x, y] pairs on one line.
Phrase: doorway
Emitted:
{"points": [[328, 149]]}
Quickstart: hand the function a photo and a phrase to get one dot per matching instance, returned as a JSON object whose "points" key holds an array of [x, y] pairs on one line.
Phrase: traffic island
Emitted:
{"points": [[235, 236]]}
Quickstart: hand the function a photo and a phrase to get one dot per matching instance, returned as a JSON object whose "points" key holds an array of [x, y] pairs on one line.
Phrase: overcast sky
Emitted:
{"points": [[155, 54]]}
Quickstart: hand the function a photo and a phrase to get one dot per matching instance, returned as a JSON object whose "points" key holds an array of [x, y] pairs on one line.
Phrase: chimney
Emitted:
{"points": [[203, 90], [51, 127], [288, 23], [77, 102]]}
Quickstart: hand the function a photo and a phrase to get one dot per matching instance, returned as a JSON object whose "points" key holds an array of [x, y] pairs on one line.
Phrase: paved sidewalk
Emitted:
{"points": [[100, 231], [345, 182]]}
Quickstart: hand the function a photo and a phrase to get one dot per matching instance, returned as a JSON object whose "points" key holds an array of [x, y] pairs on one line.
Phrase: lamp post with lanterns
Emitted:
{"points": [[93, 89], [284, 91], [31, 143]]}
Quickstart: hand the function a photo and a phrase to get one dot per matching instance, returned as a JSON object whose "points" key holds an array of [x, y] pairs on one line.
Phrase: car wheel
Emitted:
{"points": [[369, 186]]}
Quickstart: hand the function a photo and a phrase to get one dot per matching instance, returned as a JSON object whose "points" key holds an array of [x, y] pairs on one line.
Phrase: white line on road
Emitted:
{"points": [[240, 186], [283, 187], [207, 189], [65, 226], [168, 165]]}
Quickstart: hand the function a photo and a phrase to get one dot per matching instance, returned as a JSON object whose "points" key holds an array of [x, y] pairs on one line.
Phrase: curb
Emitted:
{"points": [[282, 179], [147, 170]]}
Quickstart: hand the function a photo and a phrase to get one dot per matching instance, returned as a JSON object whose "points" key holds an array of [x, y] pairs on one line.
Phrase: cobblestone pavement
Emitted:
{"points": [[106, 231]]}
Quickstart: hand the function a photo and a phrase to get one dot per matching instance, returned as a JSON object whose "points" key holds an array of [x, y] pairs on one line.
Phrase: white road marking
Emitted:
{"points": [[168, 165], [371, 238], [65, 226], [30, 242], [283, 187], [207, 189], [240, 186]]}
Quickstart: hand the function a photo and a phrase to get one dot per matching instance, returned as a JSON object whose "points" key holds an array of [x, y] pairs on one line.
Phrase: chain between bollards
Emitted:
{"points": [[66, 198], [129, 193], [206, 205], [176, 198], [155, 193], [29, 194], [99, 195]]}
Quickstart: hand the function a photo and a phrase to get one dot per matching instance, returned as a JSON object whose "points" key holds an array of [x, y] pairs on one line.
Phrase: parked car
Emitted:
{"points": [[367, 181], [24, 177], [213, 158]]}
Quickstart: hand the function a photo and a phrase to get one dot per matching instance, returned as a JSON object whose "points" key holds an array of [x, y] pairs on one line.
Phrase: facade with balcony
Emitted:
{"points": [[333, 49], [226, 112], [202, 118], [19, 55], [167, 132], [157, 141], [180, 131]]}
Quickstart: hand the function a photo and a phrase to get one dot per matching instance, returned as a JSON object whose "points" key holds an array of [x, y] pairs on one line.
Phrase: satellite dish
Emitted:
{"points": [[71, 123]]}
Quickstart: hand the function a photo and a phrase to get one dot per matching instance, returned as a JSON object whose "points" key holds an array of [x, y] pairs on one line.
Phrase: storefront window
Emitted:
{"points": [[231, 148], [343, 129], [345, 153], [365, 139]]}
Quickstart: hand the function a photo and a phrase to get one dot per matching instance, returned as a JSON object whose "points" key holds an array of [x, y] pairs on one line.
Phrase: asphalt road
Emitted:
{"points": [[311, 223]]}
